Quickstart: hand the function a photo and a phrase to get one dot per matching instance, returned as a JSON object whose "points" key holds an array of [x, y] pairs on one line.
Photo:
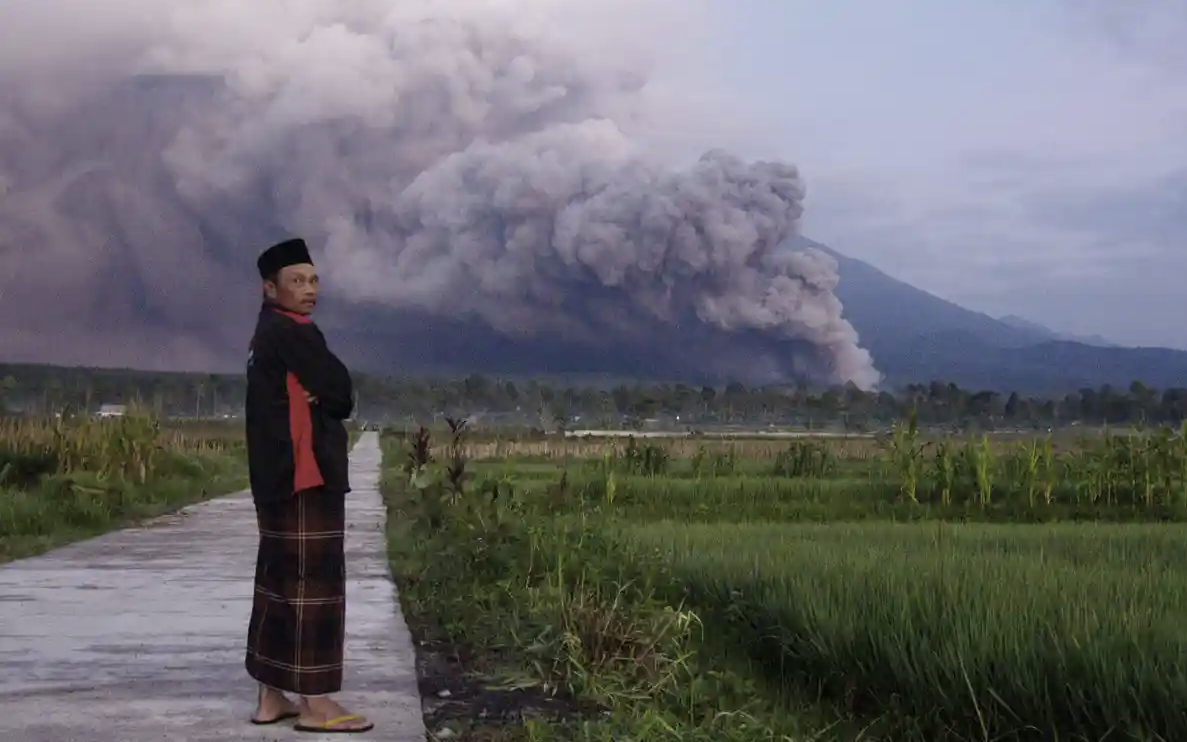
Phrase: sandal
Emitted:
{"points": [[332, 726]]}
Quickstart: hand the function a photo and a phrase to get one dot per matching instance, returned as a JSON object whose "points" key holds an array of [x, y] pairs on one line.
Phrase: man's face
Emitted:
{"points": [[295, 288]]}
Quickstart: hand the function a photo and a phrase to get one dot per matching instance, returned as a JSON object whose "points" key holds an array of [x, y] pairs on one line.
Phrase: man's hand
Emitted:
{"points": [[324, 379]]}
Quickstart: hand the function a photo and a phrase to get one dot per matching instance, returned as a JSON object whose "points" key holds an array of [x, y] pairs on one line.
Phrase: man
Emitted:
{"points": [[298, 394]]}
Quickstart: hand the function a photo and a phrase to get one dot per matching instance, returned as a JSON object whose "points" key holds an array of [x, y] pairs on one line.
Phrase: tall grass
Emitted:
{"points": [[550, 605], [65, 479]]}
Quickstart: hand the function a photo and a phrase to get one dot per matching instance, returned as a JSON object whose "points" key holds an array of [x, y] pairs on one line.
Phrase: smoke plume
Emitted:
{"points": [[499, 185]]}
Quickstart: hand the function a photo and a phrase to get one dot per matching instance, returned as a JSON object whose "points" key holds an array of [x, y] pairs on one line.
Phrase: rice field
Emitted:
{"points": [[920, 589], [1052, 632]]}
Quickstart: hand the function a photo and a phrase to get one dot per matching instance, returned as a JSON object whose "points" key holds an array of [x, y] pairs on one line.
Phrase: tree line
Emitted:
{"points": [[40, 390]]}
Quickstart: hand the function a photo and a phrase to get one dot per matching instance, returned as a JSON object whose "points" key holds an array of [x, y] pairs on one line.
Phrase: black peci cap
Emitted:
{"points": [[282, 255]]}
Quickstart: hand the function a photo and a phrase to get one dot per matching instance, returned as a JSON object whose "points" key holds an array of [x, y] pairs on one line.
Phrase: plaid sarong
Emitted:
{"points": [[298, 618]]}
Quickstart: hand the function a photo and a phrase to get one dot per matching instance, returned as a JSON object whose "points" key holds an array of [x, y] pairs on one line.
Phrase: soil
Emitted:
{"points": [[463, 703]]}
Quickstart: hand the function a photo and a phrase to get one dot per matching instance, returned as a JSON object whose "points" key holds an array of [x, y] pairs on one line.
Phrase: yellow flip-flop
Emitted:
{"points": [[328, 726]]}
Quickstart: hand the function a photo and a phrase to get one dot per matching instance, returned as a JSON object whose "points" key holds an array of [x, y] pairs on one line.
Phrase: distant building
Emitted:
{"points": [[112, 410]]}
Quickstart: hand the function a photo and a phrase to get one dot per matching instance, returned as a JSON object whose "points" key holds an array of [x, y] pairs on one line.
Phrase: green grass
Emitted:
{"points": [[751, 498], [549, 603], [994, 631], [63, 482], [810, 607], [63, 509]]}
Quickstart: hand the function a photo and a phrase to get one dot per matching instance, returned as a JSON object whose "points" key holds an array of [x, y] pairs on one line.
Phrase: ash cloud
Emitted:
{"points": [[485, 183]]}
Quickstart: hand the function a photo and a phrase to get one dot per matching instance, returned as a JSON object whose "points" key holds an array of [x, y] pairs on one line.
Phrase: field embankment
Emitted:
{"points": [[66, 480], [914, 590]]}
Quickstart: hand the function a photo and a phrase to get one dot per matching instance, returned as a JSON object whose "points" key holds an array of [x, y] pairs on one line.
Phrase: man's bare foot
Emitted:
{"points": [[273, 706], [324, 713]]}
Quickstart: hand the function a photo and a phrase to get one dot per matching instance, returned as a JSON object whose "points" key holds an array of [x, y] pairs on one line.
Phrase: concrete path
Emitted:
{"points": [[139, 635]]}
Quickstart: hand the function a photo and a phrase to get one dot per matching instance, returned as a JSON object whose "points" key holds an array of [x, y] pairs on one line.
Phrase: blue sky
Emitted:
{"points": [[1025, 157]]}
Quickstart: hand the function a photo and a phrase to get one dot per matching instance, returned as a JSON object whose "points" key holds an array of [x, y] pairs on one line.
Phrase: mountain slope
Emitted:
{"points": [[888, 312], [915, 337], [1049, 367], [1021, 322]]}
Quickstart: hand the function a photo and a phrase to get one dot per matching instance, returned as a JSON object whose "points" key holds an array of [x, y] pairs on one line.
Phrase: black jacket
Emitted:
{"points": [[293, 444]]}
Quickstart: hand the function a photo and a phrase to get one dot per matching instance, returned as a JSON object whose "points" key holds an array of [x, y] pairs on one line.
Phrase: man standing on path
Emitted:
{"points": [[298, 394]]}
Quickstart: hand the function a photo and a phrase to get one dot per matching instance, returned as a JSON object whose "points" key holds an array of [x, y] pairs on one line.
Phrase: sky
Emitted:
{"points": [[1023, 157]]}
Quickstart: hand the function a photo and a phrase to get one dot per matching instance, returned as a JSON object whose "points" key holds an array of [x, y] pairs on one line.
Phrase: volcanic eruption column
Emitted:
{"points": [[458, 162]]}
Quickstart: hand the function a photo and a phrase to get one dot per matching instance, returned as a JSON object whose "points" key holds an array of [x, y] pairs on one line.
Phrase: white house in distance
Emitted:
{"points": [[112, 410]]}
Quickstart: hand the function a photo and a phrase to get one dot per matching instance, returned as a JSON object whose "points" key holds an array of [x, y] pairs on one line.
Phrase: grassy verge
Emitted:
{"points": [[65, 481], [534, 628]]}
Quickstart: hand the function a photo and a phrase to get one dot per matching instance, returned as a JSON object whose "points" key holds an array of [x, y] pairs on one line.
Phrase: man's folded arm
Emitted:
{"points": [[304, 352]]}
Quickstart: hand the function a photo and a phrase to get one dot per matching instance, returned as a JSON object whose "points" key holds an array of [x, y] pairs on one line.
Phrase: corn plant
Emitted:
{"points": [[945, 471], [907, 451]]}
